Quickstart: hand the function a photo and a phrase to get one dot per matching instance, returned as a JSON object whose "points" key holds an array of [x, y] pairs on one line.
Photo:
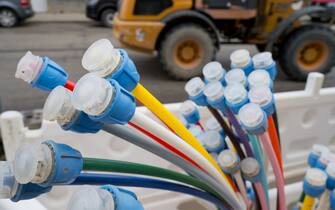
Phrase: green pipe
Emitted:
{"points": [[102, 165]]}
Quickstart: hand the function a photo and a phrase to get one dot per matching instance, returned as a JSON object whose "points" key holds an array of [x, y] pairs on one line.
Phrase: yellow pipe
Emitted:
{"points": [[157, 108], [308, 203]]}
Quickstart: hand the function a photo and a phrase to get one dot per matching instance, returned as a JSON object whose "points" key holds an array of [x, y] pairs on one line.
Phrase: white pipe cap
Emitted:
{"points": [[259, 77], [236, 76], [327, 157], [92, 94], [32, 163], [262, 60], [91, 198], [240, 58], [235, 93], [58, 106], [187, 107], [330, 170], [318, 149], [227, 159], [251, 115], [212, 139], [101, 58], [316, 177], [213, 125], [196, 131], [7, 180], [214, 91], [260, 95], [29, 67], [195, 86], [250, 167], [213, 71]]}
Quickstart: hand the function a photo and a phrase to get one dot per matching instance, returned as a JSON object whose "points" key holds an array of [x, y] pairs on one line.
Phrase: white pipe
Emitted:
{"points": [[160, 131]]}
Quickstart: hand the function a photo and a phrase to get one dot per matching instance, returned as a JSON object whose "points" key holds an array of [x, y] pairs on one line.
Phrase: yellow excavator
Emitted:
{"points": [[188, 33]]}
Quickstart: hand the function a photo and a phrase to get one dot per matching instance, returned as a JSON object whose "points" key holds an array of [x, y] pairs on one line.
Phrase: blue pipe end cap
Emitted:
{"points": [[235, 108], [124, 199], [312, 159], [272, 69], [313, 191], [193, 117], [269, 109], [320, 165], [68, 163], [330, 183], [332, 200], [121, 109], [126, 74], [200, 99], [247, 68], [29, 191], [258, 129], [218, 104], [82, 123], [50, 76]]}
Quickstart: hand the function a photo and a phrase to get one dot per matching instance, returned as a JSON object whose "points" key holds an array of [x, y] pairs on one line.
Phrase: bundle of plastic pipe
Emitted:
{"points": [[223, 157]]}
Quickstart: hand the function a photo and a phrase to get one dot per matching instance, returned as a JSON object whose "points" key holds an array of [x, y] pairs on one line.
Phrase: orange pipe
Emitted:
{"points": [[275, 141]]}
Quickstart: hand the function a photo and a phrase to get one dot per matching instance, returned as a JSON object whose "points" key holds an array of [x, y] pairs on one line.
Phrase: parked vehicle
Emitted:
{"points": [[102, 10], [188, 33], [12, 12]]}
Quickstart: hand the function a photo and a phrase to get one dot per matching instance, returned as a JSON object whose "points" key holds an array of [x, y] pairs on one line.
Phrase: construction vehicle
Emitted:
{"points": [[188, 33]]}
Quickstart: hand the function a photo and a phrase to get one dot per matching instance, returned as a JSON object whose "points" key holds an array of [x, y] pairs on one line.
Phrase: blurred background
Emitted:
{"points": [[169, 40]]}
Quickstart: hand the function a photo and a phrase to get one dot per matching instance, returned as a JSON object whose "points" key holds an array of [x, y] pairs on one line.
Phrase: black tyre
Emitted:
{"points": [[107, 17], [308, 49], [185, 49], [8, 18]]}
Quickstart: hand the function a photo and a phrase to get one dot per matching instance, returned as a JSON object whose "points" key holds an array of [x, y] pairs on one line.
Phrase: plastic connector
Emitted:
{"points": [[42, 73], [29, 191], [196, 131], [229, 161], [236, 97], [190, 112], [104, 60], [259, 77], [253, 119], [104, 198], [11, 189], [213, 125], [241, 59], [214, 93], [47, 164], [103, 100], [195, 88], [332, 200], [251, 170], [184, 122], [265, 61], [213, 141], [330, 170], [58, 107], [8, 183], [324, 160], [213, 72], [315, 182], [262, 96], [236, 76], [315, 154], [250, 191]]}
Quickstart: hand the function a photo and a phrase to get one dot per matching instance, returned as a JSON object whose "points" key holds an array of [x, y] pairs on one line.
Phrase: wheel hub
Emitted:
{"points": [[188, 54], [312, 55], [7, 18]]}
